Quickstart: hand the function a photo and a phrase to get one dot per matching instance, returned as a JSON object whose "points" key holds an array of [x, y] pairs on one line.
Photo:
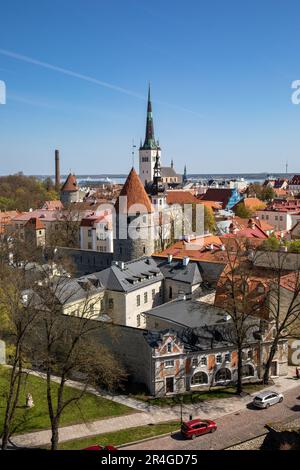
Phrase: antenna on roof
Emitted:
{"points": [[286, 167]]}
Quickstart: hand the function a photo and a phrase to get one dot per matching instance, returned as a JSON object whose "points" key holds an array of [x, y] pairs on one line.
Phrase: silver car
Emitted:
{"points": [[266, 399]]}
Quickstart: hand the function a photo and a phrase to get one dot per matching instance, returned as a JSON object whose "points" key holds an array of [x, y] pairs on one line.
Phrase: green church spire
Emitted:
{"points": [[149, 143]]}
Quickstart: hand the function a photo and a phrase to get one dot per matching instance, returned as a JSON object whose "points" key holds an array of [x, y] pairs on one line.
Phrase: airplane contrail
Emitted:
{"points": [[87, 78]]}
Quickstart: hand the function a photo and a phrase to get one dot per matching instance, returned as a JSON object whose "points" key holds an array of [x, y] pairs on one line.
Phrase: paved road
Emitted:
{"points": [[232, 428]]}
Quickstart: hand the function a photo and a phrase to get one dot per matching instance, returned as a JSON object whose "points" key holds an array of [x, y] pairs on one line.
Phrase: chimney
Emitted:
{"points": [[181, 296], [57, 171], [170, 258], [185, 260]]}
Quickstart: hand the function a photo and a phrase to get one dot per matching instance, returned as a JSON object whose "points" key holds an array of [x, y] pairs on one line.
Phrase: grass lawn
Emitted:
{"points": [[122, 437], [89, 407], [195, 397]]}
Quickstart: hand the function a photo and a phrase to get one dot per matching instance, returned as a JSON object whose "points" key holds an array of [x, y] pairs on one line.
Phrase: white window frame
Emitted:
{"points": [[225, 357], [219, 356], [203, 361], [169, 366]]}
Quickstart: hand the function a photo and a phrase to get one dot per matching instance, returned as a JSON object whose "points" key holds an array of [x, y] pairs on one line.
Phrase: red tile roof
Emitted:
{"points": [[70, 184], [295, 180], [206, 248], [53, 205], [35, 223], [137, 198], [6, 218], [284, 205], [181, 197], [253, 203], [90, 220], [218, 195], [247, 228], [214, 205]]}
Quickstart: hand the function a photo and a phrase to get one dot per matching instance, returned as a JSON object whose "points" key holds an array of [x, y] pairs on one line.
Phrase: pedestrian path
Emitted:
{"points": [[208, 409]]}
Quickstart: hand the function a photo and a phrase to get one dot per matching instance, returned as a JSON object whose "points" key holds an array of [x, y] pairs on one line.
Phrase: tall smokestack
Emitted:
{"points": [[57, 171]]}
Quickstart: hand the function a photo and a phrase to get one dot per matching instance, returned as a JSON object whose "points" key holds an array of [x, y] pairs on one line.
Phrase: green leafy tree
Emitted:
{"points": [[267, 194], [243, 212], [271, 244], [209, 220], [294, 246], [20, 192]]}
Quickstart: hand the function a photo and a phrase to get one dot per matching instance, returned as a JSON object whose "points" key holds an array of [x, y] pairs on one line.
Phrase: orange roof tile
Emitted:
{"points": [[212, 204], [253, 203], [53, 205], [70, 184], [181, 197], [35, 223], [136, 195]]}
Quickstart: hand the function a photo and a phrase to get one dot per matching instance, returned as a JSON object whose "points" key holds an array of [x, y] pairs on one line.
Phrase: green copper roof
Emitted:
{"points": [[149, 143]]}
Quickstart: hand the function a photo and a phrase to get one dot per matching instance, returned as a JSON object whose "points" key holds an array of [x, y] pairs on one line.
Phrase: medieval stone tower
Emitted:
{"points": [[134, 221], [149, 150], [70, 191]]}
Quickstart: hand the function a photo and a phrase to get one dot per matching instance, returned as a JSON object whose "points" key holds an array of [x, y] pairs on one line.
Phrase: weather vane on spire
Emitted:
{"points": [[133, 152]]}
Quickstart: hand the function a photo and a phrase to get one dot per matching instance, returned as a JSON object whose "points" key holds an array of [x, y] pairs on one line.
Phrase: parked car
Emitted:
{"points": [[99, 447], [197, 427], [266, 399]]}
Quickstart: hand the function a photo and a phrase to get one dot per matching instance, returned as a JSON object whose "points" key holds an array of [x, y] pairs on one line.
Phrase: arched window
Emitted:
{"points": [[223, 375], [248, 370], [200, 378]]}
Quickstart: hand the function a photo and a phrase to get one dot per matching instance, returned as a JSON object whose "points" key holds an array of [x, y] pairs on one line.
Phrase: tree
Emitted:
{"points": [[283, 306], [209, 220], [294, 246], [64, 231], [234, 297], [267, 194], [66, 344], [243, 212], [264, 193], [271, 244], [20, 192], [17, 319]]}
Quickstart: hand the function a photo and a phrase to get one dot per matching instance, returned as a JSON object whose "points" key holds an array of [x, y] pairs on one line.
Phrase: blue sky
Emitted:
{"points": [[77, 73]]}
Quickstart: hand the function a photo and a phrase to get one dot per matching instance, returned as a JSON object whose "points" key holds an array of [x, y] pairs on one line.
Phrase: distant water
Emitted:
{"points": [[88, 180]]}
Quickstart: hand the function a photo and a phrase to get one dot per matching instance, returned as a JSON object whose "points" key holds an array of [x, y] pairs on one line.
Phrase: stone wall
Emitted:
{"points": [[133, 351], [87, 261], [128, 248]]}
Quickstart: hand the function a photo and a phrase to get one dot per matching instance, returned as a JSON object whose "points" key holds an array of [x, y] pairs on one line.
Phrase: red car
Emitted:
{"points": [[98, 447], [197, 427]]}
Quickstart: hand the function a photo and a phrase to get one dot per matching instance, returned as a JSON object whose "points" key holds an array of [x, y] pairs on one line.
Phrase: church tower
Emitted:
{"points": [[134, 221], [157, 190], [148, 151], [184, 178]]}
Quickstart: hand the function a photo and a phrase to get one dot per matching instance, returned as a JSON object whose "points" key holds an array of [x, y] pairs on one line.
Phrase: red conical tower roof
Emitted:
{"points": [[70, 184], [135, 192]]}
